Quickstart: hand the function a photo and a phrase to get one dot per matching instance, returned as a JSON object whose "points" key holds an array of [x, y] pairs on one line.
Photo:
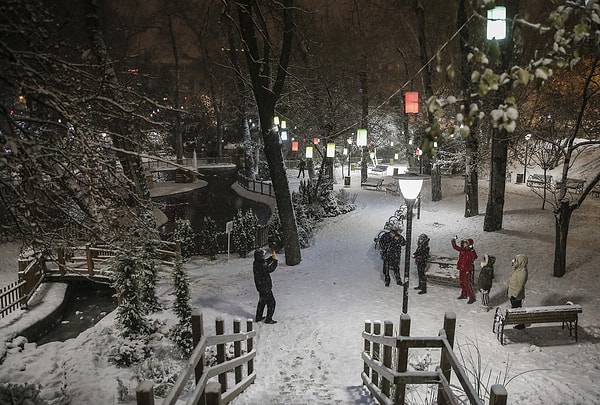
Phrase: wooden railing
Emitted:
{"points": [[205, 392], [86, 261], [386, 364], [256, 186]]}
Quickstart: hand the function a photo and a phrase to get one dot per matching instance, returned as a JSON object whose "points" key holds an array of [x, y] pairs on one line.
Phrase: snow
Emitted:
{"points": [[313, 354]]}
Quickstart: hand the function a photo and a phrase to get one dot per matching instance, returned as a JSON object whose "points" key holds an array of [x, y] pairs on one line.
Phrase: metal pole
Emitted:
{"points": [[525, 167], [409, 212], [349, 155]]}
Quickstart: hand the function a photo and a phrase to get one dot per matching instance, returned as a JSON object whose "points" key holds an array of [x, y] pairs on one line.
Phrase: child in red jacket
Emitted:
{"points": [[466, 257]]}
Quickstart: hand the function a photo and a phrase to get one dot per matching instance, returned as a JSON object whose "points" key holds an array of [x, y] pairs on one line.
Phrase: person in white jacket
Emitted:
{"points": [[516, 283]]}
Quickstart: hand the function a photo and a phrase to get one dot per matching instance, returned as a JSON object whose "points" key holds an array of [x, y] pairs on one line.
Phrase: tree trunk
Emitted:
{"points": [[436, 183], [495, 206], [266, 97], [562, 218], [364, 102]]}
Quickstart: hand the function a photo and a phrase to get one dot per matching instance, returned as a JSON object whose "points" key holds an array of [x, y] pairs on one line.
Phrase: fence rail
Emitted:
{"points": [[11, 297], [256, 186], [207, 391], [381, 373]]}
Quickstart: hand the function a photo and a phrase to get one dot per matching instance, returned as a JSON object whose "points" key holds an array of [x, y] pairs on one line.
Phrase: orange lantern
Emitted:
{"points": [[411, 102], [316, 141], [294, 146]]}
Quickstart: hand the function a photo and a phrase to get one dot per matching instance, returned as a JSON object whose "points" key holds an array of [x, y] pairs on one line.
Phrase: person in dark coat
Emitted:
{"points": [[466, 257], [421, 256], [392, 256], [484, 282], [384, 243], [262, 268]]}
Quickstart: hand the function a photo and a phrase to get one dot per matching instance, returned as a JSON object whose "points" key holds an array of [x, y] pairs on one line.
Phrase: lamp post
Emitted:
{"points": [[527, 138], [410, 187], [349, 154]]}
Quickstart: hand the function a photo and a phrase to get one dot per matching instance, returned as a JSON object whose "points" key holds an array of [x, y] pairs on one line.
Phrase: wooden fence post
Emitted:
{"points": [[376, 331], [220, 330], [498, 395], [388, 330], [402, 358], [144, 393], [449, 329], [367, 348], [197, 333], [213, 393], [89, 259], [61, 260], [237, 350], [250, 345]]}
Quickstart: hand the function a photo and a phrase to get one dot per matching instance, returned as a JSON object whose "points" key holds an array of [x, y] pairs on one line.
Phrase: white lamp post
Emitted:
{"points": [[527, 138], [410, 187]]}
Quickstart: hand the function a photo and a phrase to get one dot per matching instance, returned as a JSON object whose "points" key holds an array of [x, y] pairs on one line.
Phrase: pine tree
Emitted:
{"points": [[275, 234], [208, 238], [186, 235], [237, 234], [182, 331], [250, 229], [130, 313]]}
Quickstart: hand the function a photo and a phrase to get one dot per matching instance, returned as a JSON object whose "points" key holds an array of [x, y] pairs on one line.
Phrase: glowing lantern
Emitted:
{"points": [[361, 137], [330, 149], [411, 102], [309, 152], [294, 146]]}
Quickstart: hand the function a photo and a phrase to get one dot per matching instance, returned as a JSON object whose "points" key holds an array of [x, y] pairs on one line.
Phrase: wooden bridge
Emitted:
{"points": [[89, 261]]}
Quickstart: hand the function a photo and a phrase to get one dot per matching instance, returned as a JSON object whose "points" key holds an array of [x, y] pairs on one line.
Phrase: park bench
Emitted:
{"points": [[379, 169], [566, 314], [372, 183], [575, 185], [539, 181], [596, 190]]}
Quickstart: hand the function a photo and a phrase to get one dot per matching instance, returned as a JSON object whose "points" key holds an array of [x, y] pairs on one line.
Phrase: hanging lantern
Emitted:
{"points": [[276, 120], [361, 137], [411, 102], [330, 149], [283, 124], [294, 146], [284, 135], [395, 156], [496, 23], [309, 152]]}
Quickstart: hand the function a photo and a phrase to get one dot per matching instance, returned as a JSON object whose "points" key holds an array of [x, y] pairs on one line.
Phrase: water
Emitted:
{"points": [[87, 303], [217, 200]]}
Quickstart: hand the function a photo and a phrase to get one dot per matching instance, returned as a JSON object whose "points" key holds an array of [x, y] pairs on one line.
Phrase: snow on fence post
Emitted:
{"points": [[237, 350], [89, 259], [448, 330], [197, 333], [61, 260], [402, 358], [367, 348], [213, 393], [376, 331], [144, 393], [498, 395], [250, 345], [220, 330], [388, 330]]}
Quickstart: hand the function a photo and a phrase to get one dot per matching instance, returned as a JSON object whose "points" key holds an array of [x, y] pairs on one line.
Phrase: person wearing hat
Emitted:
{"points": [[421, 257], [262, 268], [466, 257], [516, 283], [393, 253], [484, 281]]}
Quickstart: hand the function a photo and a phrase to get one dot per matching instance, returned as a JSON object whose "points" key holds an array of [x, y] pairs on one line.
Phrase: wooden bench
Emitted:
{"points": [[596, 191], [373, 183], [539, 181], [566, 314], [575, 185]]}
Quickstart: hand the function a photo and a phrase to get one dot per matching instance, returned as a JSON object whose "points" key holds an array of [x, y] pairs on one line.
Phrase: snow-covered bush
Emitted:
{"points": [[209, 244], [126, 281], [128, 352], [275, 234], [186, 235], [162, 372], [181, 333], [243, 235], [20, 394]]}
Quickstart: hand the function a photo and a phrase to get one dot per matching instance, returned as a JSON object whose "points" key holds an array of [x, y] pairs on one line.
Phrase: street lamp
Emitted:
{"points": [[410, 187], [527, 138]]}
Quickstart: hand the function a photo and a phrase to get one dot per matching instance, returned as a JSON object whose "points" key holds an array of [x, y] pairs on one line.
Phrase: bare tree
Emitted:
{"points": [[257, 40]]}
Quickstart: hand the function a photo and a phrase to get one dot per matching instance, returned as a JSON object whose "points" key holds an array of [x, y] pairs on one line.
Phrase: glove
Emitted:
{"points": [[455, 237]]}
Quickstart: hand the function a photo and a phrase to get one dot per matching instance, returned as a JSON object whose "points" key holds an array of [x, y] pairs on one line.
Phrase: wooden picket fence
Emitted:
{"points": [[207, 391], [386, 373]]}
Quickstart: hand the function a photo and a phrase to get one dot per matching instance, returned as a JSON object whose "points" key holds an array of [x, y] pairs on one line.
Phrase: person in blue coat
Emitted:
{"points": [[263, 267]]}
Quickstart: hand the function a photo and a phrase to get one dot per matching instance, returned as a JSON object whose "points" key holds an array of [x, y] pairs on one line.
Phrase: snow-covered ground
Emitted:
{"points": [[312, 355]]}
